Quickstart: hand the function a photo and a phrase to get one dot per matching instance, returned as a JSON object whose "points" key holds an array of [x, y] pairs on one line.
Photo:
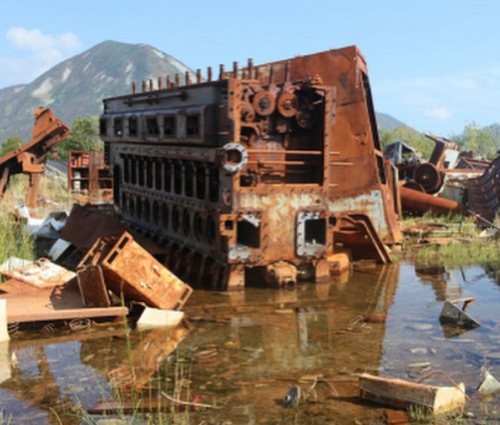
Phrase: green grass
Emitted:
{"points": [[452, 240], [482, 252]]}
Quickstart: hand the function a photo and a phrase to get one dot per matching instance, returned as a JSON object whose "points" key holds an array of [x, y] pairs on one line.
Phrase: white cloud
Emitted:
{"points": [[444, 103], [37, 52], [442, 114]]}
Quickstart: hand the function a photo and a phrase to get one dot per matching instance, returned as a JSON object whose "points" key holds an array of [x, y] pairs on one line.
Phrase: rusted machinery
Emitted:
{"points": [[250, 175], [30, 158], [89, 175], [483, 193]]}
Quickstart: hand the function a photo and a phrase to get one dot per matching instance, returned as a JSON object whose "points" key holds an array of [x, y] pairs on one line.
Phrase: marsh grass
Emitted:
{"points": [[419, 415], [456, 241], [481, 252], [14, 241]]}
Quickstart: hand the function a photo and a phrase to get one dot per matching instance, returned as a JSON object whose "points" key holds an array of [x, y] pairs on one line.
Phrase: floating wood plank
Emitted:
{"points": [[402, 394]]}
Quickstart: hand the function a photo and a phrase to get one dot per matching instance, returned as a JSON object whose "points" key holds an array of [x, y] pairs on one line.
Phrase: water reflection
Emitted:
{"points": [[245, 349]]}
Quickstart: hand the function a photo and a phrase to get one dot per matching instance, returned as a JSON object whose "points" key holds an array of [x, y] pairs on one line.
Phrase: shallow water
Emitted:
{"points": [[242, 351]]}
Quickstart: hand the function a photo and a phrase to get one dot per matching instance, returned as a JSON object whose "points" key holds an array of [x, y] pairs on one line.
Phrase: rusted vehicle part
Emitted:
{"points": [[468, 160], [357, 233], [48, 131], [421, 202], [430, 175], [130, 270], [483, 193], [86, 224], [403, 157], [41, 274], [26, 304], [90, 176], [249, 171]]}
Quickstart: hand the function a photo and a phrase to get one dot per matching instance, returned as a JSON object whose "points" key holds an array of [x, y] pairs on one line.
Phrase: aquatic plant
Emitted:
{"points": [[419, 415]]}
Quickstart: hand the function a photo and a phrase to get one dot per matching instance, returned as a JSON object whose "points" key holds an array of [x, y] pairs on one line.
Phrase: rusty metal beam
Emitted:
{"points": [[30, 158]]}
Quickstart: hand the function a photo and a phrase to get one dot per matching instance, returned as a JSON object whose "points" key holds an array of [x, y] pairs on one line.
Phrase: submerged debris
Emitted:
{"points": [[292, 397], [489, 385], [452, 314]]}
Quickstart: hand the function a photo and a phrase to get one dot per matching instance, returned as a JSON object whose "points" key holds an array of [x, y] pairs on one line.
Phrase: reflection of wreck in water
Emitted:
{"points": [[443, 283], [59, 374], [325, 329], [281, 333], [258, 172]]}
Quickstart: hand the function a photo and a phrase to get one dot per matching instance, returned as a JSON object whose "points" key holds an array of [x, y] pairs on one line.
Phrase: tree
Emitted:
{"points": [[10, 144], [84, 136], [479, 140], [417, 140]]}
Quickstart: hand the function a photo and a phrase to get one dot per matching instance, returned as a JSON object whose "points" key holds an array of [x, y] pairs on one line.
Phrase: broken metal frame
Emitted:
{"points": [[30, 158]]}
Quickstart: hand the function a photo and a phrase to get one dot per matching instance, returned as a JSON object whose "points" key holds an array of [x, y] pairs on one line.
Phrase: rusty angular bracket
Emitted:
{"points": [[30, 158]]}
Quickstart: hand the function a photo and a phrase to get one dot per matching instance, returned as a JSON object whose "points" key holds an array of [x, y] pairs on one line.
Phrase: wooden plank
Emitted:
{"points": [[402, 394]]}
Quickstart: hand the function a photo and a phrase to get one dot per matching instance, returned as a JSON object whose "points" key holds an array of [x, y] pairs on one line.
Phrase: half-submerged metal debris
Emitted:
{"points": [[239, 175]]}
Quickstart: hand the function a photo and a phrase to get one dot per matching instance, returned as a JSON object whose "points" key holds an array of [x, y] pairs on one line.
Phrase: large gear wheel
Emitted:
{"points": [[287, 105], [264, 103]]}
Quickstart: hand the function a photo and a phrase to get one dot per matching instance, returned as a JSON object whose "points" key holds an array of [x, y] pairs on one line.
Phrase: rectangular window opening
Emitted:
{"points": [[247, 234], [193, 125], [152, 127], [315, 231], [169, 126]]}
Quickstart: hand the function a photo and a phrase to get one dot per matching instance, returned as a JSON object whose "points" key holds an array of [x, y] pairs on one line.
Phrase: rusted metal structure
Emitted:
{"points": [[89, 175], [483, 193], [30, 158], [252, 174]]}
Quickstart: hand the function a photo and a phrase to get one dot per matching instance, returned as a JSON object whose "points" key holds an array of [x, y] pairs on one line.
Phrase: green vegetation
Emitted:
{"points": [[84, 136], [449, 240], [14, 242], [483, 141], [482, 252], [419, 415], [422, 144], [10, 144]]}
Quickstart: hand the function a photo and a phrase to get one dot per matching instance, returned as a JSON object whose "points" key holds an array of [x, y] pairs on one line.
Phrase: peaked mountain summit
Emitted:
{"points": [[76, 86]]}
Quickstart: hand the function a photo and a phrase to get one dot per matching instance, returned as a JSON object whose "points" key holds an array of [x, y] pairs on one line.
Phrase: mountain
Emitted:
{"points": [[388, 122], [76, 86]]}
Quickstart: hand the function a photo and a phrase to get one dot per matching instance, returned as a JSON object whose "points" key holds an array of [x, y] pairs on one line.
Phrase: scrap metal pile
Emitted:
{"points": [[257, 175], [450, 181], [113, 274]]}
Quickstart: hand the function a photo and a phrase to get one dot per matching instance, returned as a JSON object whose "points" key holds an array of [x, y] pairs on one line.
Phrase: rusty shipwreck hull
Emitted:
{"points": [[249, 175]]}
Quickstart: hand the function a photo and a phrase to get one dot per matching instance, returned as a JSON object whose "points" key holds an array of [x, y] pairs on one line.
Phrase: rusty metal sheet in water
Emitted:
{"points": [[30, 304]]}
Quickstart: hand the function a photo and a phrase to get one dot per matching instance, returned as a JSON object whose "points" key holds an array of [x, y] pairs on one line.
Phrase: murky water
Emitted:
{"points": [[243, 351]]}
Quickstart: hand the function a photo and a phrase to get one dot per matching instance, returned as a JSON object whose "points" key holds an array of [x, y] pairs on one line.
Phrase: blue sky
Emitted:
{"points": [[433, 64]]}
